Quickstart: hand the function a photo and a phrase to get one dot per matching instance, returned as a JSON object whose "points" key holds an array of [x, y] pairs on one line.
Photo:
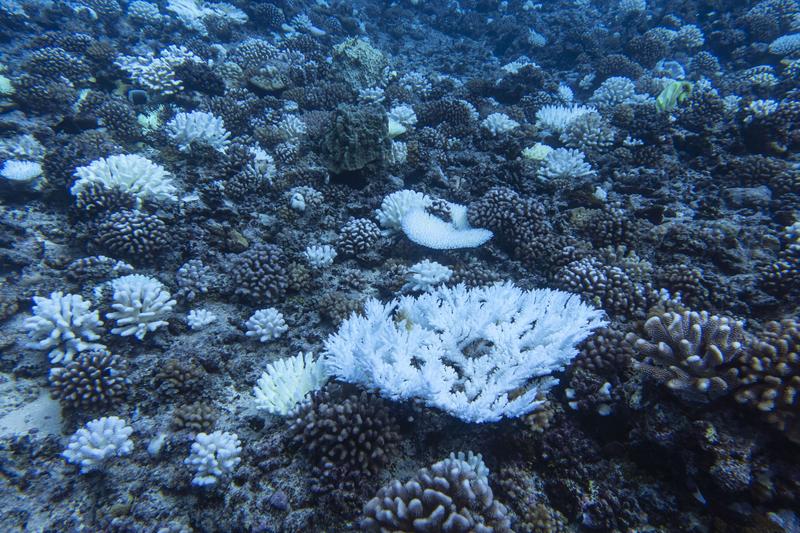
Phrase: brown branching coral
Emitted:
{"points": [[770, 376], [697, 349], [346, 440], [453, 495], [91, 379]]}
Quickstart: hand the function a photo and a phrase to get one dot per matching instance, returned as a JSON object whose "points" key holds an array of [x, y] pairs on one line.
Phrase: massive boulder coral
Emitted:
{"points": [[453, 495], [355, 137]]}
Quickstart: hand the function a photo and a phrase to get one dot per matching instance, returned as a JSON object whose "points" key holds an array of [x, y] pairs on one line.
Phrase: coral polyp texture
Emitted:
{"points": [[480, 354], [696, 348], [300, 248], [347, 440], [90, 379]]}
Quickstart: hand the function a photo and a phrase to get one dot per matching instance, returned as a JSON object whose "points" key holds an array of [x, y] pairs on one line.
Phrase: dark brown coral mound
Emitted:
{"points": [[347, 440]]}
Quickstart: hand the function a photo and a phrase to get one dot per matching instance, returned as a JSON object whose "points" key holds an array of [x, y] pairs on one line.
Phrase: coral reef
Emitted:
{"points": [[295, 250]]}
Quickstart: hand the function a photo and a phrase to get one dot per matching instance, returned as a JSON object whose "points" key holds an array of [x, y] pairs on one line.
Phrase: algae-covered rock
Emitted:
{"points": [[359, 64], [356, 137]]}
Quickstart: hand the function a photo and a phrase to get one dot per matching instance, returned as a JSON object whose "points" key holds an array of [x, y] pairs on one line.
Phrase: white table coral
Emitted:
{"points": [[480, 354]]}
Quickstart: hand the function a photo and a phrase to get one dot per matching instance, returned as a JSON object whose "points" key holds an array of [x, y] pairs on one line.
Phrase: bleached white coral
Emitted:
{"points": [[287, 381], [614, 91], [228, 12], [189, 12], [404, 114], [133, 174], [22, 147], [22, 172], [64, 325], [301, 23], [426, 275], [262, 164], [401, 119], [200, 318], [537, 152], [416, 83], [198, 127], [479, 354], [398, 153], [689, 36], [140, 305], [518, 64], [98, 440], [632, 6], [144, 13], [565, 163], [565, 93], [291, 128], [536, 39], [431, 231], [554, 119], [396, 205], [300, 197], [371, 94], [213, 456], [266, 324], [158, 73], [320, 256], [499, 123], [193, 13]]}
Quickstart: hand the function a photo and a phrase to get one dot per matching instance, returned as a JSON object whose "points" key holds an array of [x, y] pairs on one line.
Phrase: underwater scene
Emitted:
{"points": [[474, 266]]}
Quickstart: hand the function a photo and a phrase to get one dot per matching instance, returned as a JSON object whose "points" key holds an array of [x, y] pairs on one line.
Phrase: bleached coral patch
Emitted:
{"points": [[213, 456], [132, 173], [286, 382], [97, 441], [65, 325], [479, 354], [140, 305], [200, 128]]}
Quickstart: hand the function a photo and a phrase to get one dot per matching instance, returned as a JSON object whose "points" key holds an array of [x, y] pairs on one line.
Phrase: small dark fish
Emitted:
{"points": [[138, 97]]}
